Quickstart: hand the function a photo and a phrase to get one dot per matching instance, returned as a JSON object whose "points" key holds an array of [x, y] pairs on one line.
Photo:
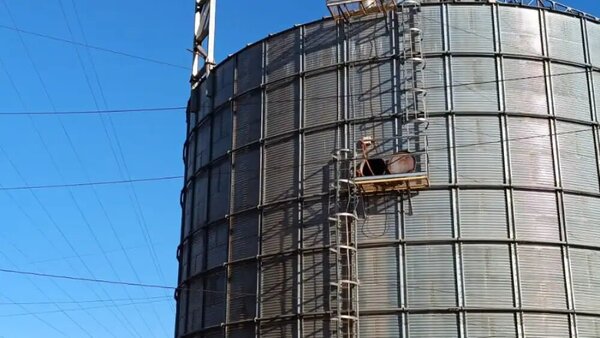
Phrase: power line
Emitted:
{"points": [[89, 301], [93, 112], [87, 184]]}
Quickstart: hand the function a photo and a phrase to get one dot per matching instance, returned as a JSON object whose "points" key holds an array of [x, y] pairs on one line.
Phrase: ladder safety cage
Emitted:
{"points": [[345, 9]]}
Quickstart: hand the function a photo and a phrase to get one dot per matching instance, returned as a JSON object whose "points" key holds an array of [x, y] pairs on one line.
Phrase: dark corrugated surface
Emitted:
{"points": [[315, 283], [542, 277], [520, 30], [564, 37], [316, 328], [582, 215], [242, 290], [200, 201], [224, 81], [216, 252], [578, 164], [320, 45], [249, 64], [430, 277], [244, 235], [433, 325], [530, 152], [371, 89], [496, 325], [525, 87], [247, 119], [315, 224], [280, 228], [471, 28], [279, 286], [585, 269], [474, 81], [536, 216], [281, 170], [220, 186], [321, 98], [283, 52], [570, 89], [214, 298], [282, 107], [222, 125], [317, 159], [203, 145], [241, 331], [546, 325], [487, 276], [483, 214], [198, 253], [196, 304], [278, 329], [246, 181]]}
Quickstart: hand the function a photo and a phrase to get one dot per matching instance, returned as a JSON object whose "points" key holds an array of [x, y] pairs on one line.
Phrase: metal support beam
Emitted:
{"points": [[204, 38]]}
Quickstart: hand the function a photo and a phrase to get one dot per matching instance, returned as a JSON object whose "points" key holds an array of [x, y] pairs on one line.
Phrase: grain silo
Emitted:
{"points": [[412, 169]]}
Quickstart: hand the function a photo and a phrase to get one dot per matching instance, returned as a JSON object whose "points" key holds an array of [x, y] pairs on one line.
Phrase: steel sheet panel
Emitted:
{"points": [[582, 216], [593, 38], [283, 107], [224, 81], [198, 253], [203, 144], [278, 329], [383, 132], [596, 79], [497, 325], [182, 312], [241, 331], [183, 253], [188, 209], [247, 119], [432, 30], [379, 279], [431, 216], [483, 214], [371, 90], [320, 45], [530, 146], [190, 158], [280, 228], [585, 269], [246, 178], [439, 150], [381, 220], [278, 286], [216, 244], [487, 276], [430, 278], [214, 301], [571, 95], [525, 86], [369, 38], [578, 163], [434, 77], [478, 150], [220, 185], [200, 201], [433, 325], [281, 170], [318, 147], [321, 98], [520, 31], [380, 326], [536, 216], [588, 326], [474, 84], [195, 311], [316, 328], [283, 55], [249, 68], [205, 104], [546, 325], [315, 223], [471, 28], [242, 291], [315, 282], [564, 37], [244, 236], [542, 277]]}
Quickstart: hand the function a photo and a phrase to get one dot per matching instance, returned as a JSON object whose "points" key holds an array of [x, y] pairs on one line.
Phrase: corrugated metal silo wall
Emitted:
{"points": [[506, 243]]}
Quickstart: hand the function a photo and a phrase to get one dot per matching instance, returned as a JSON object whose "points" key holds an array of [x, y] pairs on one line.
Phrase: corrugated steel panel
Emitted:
{"points": [[487, 275], [281, 170], [536, 216], [570, 90], [224, 81], [474, 84], [483, 214], [320, 45], [382, 219], [383, 132], [203, 145], [282, 107], [321, 98], [196, 306], [249, 64], [582, 215], [564, 37], [279, 290], [222, 125], [198, 253], [531, 152], [244, 235], [471, 28], [214, 298], [283, 55], [200, 201], [213, 333], [478, 150], [432, 30], [369, 38], [188, 210], [316, 328], [318, 147], [435, 84], [242, 291], [190, 157], [278, 329], [380, 326], [520, 30], [596, 77], [432, 325], [184, 253], [241, 331], [246, 185], [588, 326], [371, 90], [546, 325], [593, 38], [247, 119], [280, 228], [315, 223], [497, 325], [216, 252], [439, 152], [182, 313], [525, 87], [205, 103], [430, 278], [542, 277], [431, 216], [379, 279], [220, 185], [315, 283], [578, 164], [585, 269]]}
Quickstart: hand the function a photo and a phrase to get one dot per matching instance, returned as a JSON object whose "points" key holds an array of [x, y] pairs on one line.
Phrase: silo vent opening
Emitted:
{"points": [[372, 167]]}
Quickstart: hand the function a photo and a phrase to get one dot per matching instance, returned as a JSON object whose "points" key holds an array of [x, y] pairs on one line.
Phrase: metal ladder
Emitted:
{"points": [[343, 269]]}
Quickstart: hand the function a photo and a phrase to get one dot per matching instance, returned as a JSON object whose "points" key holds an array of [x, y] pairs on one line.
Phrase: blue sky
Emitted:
{"points": [[78, 231]]}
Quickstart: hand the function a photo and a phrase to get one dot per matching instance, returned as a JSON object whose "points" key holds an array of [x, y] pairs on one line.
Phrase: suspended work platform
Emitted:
{"points": [[345, 9]]}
